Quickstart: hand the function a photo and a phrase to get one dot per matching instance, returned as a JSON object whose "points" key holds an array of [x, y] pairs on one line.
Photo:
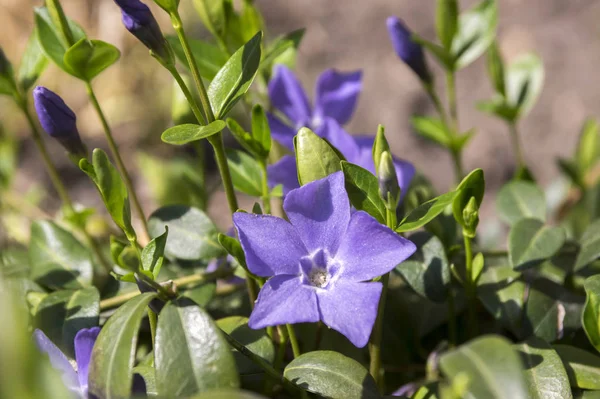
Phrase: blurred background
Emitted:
{"points": [[347, 35]]}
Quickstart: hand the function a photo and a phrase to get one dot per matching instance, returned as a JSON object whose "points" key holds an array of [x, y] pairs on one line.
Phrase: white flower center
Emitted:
{"points": [[318, 277]]}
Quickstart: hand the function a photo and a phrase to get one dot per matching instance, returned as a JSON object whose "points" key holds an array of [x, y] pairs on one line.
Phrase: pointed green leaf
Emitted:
{"points": [[246, 172], [582, 367], [212, 15], [331, 374], [476, 31], [588, 147], [432, 129], [183, 134], [209, 58], [111, 367], [530, 242], [153, 254], [446, 21], [520, 200], [33, 63], [524, 82], [261, 132], [590, 246], [233, 248], [426, 212], [315, 158], [187, 336], [591, 311], [363, 190]]}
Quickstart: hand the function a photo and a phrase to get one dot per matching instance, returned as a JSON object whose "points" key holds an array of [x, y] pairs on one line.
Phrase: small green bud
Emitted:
{"points": [[389, 189], [379, 146], [471, 216]]}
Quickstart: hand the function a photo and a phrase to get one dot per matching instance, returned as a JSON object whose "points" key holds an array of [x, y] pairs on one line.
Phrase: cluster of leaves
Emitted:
{"points": [[531, 313]]}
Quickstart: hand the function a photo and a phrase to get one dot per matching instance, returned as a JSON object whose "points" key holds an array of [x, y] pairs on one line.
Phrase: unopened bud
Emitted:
{"points": [[407, 49], [389, 189], [471, 216]]}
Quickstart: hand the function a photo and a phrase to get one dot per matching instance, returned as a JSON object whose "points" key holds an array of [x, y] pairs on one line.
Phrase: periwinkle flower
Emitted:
{"points": [[138, 20], [407, 49], [321, 262], [336, 95], [75, 379], [58, 120]]}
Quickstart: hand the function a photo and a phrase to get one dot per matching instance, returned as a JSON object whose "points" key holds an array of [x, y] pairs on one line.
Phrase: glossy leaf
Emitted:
{"points": [[233, 248], [315, 158], [212, 15], [209, 58], [545, 375], [187, 337], [426, 212], [590, 246], [331, 374], [363, 191], [491, 365], [88, 58], [58, 260], [246, 172], [433, 129], [520, 200], [591, 311], [427, 271], [50, 314], [153, 254], [582, 367], [33, 63], [530, 242], [82, 311], [111, 367], [503, 294], [235, 77], [524, 82], [257, 341], [183, 134], [192, 235], [476, 31], [244, 138], [543, 317]]}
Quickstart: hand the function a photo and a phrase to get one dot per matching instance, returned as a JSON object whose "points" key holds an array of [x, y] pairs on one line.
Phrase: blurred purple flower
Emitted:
{"points": [[76, 380], [58, 120], [336, 95], [320, 262], [138, 20], [407, 49]]}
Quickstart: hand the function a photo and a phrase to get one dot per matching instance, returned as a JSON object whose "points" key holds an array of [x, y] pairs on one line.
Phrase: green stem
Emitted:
{"points": [[283, 341], [293, 340], [437, 103], [216, 140], [514, 136], [451, 92], [266, 197], [117, 156], [470, 287]]}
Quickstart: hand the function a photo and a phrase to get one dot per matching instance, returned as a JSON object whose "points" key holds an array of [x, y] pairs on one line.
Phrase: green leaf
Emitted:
{"points": [[427, 271], [331, 374], [202, 294], [235, 77], [433, 129], [50, 39], [497, 106], [244, 138], [582, 367], [590, 246], [491, 365], [588, 147], [591, 311], [441, 54], [82, 311], [246, 172], [542, 316], [261, 132], [228, 394], [33, 63], [192, 235], [473, 185], [111, 367], [520, 200], [426, 212], [363, 191], [280, 46], [183, 134], [88, 58], [495, 68], [524, 81], [315, 158], [545, 375], [476, 31], [233, 248], [149, 376], [212, 15], [153, 254], [168, 5], [209, 58], [530, 242], [446, 21], [58, 260], [187, 336], [112, 189], [257, 341]]}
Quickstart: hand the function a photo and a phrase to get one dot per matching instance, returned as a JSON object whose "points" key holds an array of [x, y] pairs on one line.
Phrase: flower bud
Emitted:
{"points": [[407, 49], [58, 120], [471, 216], [388, 181], [138, 20]]}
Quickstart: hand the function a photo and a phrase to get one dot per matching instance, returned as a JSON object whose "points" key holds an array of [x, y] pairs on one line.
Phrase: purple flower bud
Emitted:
{"points": [[407, 49], [58, 120], [138, 20]]}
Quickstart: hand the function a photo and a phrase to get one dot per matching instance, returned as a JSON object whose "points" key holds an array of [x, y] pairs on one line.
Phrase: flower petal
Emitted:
{"points": [[58, 360], [331, 130], [272, 245], [288, 96], [282, 300], [369, 249], [281, 132], [405, 172], [351, 309], [320, 212], [84, 343], [336, 94], [284, 172]]}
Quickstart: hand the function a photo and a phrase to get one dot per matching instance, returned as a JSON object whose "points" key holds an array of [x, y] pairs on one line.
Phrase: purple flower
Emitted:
{"points": [[138, 20], [321, 262], [76, 380], [407, 49], [58, 120], [336, 95]]}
